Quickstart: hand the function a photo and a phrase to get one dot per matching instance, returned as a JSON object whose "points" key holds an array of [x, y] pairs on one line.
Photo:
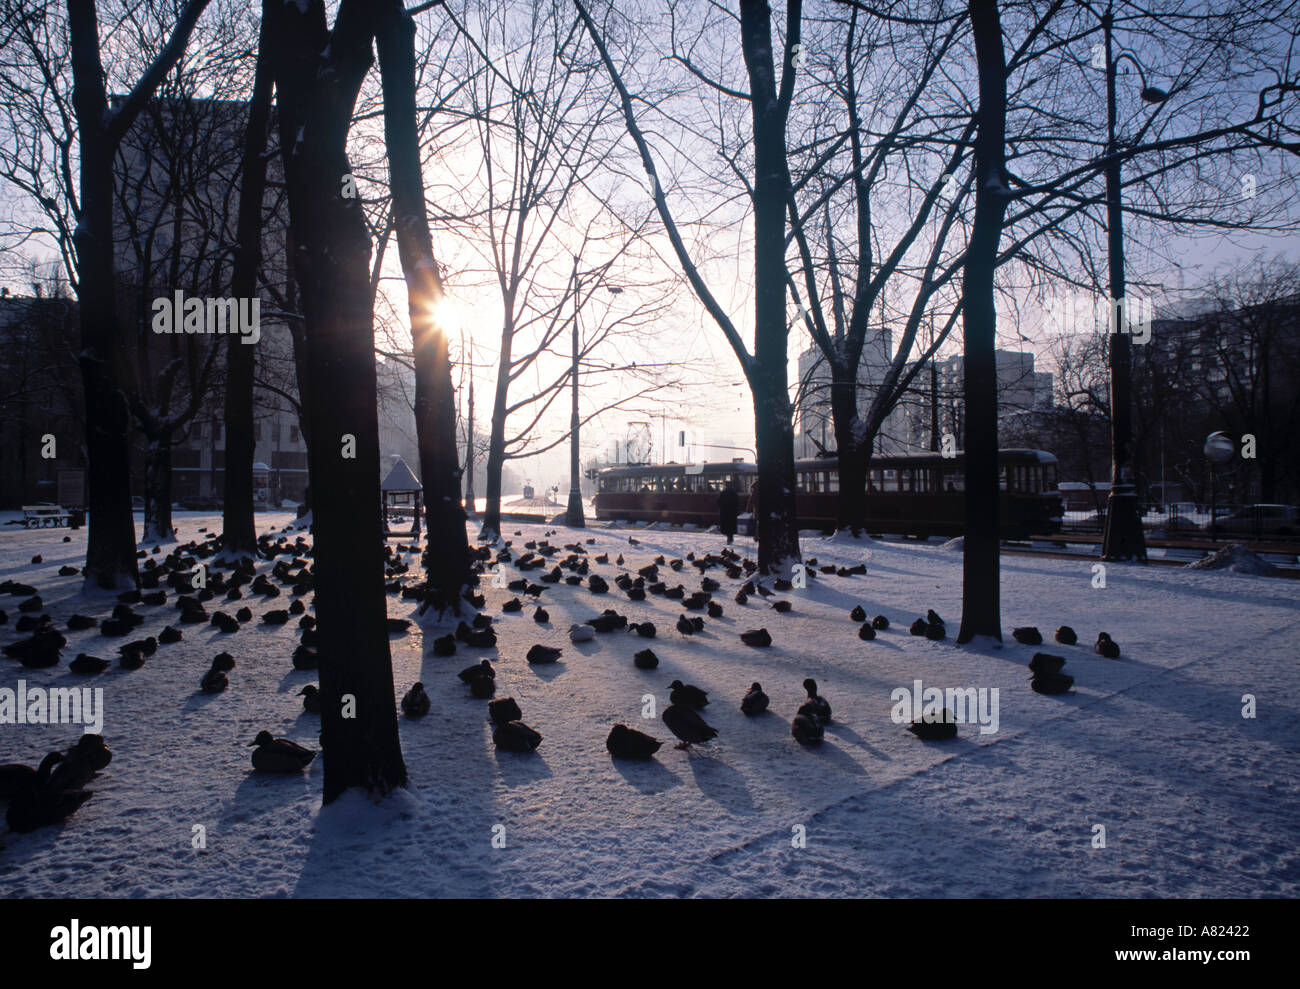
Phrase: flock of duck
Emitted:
{"points": [[49, 793]]}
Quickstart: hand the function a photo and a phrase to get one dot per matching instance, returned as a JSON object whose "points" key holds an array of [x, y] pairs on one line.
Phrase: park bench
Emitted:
{"points": [[45, 516]]}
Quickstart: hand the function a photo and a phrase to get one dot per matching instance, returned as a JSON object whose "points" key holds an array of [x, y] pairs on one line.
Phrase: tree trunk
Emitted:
{"points": [[852, 448], [158, 491], [778, 530], [110, 547], [318, 75], [981, 614], [239, 533], [496, 457], [446, 557]]}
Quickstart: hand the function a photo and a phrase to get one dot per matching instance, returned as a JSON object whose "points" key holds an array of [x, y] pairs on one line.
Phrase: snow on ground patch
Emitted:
{"points": [[1195, 799], [1235, 559]]}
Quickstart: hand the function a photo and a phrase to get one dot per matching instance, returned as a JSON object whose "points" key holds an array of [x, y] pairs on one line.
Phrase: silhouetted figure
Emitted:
{"points": [[728, 511]]}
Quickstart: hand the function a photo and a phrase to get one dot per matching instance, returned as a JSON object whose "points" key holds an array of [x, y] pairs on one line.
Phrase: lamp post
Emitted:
{"points": [[1123, 538], [573, 514], [1218, 450]]}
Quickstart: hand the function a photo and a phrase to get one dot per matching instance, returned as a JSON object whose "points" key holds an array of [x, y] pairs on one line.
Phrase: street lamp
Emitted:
{"points": [[1123, 538], [1218, 450], [573, 514]]}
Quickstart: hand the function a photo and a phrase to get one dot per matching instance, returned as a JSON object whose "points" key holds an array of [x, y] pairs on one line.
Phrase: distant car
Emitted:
{"points": [[1180, 523], [1276, 520]]}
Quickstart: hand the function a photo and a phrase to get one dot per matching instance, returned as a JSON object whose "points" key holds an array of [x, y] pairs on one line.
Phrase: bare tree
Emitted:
{"points": [[318, 73]]}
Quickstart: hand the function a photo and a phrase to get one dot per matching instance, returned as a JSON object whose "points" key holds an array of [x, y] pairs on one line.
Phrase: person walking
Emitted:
{"points": [[728, 510]]}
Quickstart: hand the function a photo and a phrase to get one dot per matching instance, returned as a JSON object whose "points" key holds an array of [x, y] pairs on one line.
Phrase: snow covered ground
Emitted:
{"points": [[1195, 799]]}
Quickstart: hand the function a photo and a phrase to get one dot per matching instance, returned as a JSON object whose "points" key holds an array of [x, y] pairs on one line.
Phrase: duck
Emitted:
{"points": [[685, 626], [310, 695], [741, 598], [581, 633], [132, 659], [223, 661], [935, 631], [858, 614], [305, 658], [646, 630], [541, 616], [597, 584], [628, 743], [85, 665], [504, 710], [935, 731], [515, 736], [932, 617], [1051, 683], [42, 807], [1027, 635], [543, 654], [78, 623], [754, 701], [224, 623], [714, 609], [880, 623], [481, 688], [279, 755], [607, 622], [781, 606], [445, 645], [214, 681], [919, 626], [1046, 663], [243, 615], [645, 660], [169, 635], [687, 725], [759, 638], [688, 695], [416, 702], [479, 669], [819, 705], [1106, 646], [866, 632], [806, 730], [1066, 636], [277, 617]]}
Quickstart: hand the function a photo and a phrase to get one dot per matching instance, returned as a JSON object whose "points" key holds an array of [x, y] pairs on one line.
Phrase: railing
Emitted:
{"points": [[1254, 523]]}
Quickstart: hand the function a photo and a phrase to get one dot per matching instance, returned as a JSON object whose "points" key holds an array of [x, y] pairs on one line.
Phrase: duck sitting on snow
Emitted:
{"points": [[310, 695], [688, 695], [416, 702], [628, 743], [687, 725], [515, 736], [817, 704], [935, 731], [279, 755], [581, 633], [754, 701], [1066, 636], [214, 681], [806, 729], [1106, 646]]}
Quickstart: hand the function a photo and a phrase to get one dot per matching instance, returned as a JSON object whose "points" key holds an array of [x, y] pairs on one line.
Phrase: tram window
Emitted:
{"points": [[922, 480], [889, 480], [1002, 477], [873, 480], [1049, 477], [954, 480], [832, 482], [906, 479]]}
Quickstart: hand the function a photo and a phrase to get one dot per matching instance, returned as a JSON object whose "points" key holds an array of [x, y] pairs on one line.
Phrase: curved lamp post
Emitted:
{"points": [[1123, 538]]}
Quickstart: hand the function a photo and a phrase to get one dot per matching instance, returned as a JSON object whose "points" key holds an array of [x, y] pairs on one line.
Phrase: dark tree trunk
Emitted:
{"points": [[496, 457], [446, 557], [239, 535], [158, 490], [110, 549], [778, 530], [317, 93], [851, 448], [981, 611]]}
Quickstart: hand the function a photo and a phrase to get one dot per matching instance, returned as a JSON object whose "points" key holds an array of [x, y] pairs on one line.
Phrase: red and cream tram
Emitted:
{"points": [[918, 494]]}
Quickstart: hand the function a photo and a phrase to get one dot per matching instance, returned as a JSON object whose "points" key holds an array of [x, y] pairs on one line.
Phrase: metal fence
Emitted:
{"points": [[1248, 523]]}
